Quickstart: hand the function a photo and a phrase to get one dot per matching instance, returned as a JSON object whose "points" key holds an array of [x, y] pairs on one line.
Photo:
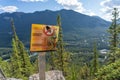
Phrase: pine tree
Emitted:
{"points": [[15, 63], [95, 63], [73, 73], [60, 45], [27, 68], [15, 58], [85, 73], [109, 72], [20, 61], [36, 68], [52, 60], [114, 35], [60, 58], [5, 68]]}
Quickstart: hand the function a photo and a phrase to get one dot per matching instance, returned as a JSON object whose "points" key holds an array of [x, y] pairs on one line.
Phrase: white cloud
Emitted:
{"points": [[75, 5], [33, 0], [71, 4], [8, 9], [107, 8], [89, 12]]}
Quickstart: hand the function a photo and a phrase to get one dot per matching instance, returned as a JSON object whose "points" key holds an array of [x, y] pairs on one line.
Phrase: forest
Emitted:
{"points": [[88, 64]]}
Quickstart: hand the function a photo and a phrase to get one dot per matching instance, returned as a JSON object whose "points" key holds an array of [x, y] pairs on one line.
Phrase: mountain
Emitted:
{"points": [[76, 26]]}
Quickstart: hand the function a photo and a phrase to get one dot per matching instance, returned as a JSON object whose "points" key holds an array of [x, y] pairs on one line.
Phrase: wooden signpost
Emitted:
{"points": [[41, 65], [43, 39]]}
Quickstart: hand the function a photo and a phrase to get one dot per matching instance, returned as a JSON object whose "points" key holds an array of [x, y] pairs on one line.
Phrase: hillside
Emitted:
{"points": [[77, 28]]}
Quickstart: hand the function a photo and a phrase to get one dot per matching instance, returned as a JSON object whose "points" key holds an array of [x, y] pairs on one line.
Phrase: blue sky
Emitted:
{"points": [[101, 8]]}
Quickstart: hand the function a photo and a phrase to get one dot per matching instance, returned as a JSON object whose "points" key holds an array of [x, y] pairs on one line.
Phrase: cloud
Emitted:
{"points": [[111, 3], [33, 0], [89, 12], [8, 9], [107, 8], [75, 5], [71, 4]]}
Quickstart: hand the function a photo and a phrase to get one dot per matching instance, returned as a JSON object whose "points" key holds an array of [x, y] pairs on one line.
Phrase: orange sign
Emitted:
{"points": [[43, 37]]}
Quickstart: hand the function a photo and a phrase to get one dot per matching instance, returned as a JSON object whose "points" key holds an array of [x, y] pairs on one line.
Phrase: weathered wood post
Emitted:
{"points": [[41, 65]]}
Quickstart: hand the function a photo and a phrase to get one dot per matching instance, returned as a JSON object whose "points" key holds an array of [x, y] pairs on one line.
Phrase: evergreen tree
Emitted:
{"points": [[15, 58], [114, 35], [36, 68], [60, 45], [73, 73], [109, 72], [5, 68], [60, 59], [85, 73], [20, 61], [15, 61], [52, 60], [27, 68], [94, 67]]}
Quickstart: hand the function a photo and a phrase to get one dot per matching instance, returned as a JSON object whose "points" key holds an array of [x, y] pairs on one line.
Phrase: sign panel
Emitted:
{"points": [[43, 37]]}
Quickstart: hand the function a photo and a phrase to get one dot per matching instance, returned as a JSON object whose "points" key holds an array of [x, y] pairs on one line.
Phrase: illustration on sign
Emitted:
{"points": [[44, 37]]}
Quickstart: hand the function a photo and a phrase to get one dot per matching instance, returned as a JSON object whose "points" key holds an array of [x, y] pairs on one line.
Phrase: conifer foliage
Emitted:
{"points": [[60, 46], [114, 35], [20, 61], [112, 70], [109, 72], [95, 63], [85, 72], [60, 59]]}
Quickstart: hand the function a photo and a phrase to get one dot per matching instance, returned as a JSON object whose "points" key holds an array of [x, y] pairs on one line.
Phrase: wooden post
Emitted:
{"points": [[41, 65]]}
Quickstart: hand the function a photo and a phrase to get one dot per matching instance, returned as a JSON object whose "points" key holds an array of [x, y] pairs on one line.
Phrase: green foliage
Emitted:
{"points": [[117, 53], [60, 46], [66, 62], [73, 72], [27, 68], [113, 30], [15, 61], [36, 68], [55, 62], [52, 60], [95, 63], [109, 72], [4, 65], [20, 62], [59, 59], [63, 58], [85, 73], [114, 35]]}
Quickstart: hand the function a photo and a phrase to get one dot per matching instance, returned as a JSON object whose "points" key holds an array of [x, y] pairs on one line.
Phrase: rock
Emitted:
{"points": [[13, 79], [50, 75], [2, 75]]}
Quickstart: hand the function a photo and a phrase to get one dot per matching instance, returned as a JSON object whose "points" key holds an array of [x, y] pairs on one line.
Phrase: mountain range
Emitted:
{"points": [[76, 26]]}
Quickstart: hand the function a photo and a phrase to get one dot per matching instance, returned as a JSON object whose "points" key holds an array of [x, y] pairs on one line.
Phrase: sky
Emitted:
{"points": [[101, 8]]}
